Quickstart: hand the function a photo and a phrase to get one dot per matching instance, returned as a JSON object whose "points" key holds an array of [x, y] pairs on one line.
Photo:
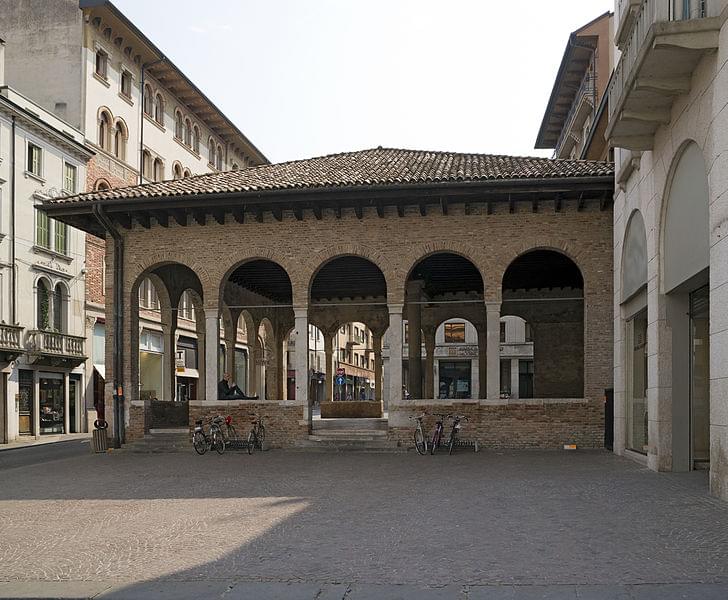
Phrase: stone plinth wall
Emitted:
{"points": [[283, 421], [351, 410], [537, 424]]}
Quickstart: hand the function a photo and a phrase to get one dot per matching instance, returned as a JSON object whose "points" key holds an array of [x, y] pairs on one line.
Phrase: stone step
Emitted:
{"points": [[321, 424], [161, 441], [350, 433], [319, 443]]}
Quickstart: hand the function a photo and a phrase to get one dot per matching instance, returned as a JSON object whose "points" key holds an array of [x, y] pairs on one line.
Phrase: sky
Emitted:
{"points": [[303, 78]]}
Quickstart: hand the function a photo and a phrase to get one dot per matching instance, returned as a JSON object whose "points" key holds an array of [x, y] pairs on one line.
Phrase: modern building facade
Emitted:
{"points": [[42, 274], [283, 263], [576, 115], [669, 124], [145, 121]]}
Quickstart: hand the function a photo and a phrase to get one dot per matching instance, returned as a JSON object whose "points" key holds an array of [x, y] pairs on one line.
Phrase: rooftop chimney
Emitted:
{"points": [[2, 62]]}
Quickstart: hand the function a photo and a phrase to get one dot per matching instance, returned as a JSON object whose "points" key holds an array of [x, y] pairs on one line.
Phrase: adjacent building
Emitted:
{"points": [[669, 124], [88, 64], [576, 115], [42, 273]]}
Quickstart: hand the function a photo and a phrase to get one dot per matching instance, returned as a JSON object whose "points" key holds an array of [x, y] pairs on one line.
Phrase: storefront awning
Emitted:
{"points": [[101, 370]]}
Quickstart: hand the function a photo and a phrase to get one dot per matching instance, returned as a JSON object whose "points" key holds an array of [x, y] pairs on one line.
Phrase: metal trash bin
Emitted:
{"points": [[100, 441]]}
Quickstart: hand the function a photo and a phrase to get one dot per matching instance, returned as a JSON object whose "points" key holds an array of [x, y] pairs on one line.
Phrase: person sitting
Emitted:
{"points": [[228, 391]]}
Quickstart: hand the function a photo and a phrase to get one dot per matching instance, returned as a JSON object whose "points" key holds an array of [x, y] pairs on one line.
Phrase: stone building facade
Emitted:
{"points": [[669, 123], [439, 236]]}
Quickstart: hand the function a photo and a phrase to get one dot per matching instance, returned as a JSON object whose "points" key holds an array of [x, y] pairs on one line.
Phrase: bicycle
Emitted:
{"points": [[229, 433], [420, 439], [256, 437], [202, 441], [454, 431], [437, 434]]}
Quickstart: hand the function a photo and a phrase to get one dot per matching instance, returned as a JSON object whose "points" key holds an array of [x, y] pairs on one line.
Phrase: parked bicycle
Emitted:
{"points": [[420, 439], [256, 437], [437, 434], [455, 430], [229, 433], [212, 438]]}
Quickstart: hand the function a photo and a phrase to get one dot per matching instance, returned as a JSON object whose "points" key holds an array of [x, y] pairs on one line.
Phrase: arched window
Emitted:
{"points": [[177, 171], [186, 173], [178, 125], [188, 132], [158, 169], [43, 308], [196, 139], [235, 167], [104, 129], [147, 164], [211, 151], [102, 185], [148, 100], [159, 109], [218, 163], [59, 308], [120, 137]]}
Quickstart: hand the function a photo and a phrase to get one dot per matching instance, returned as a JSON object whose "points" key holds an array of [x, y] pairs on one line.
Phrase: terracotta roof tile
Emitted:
{"points": [[378, 166]]}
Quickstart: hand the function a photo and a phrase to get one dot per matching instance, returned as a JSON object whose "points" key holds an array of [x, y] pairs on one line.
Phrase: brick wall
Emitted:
{"points": [[95, 253]]}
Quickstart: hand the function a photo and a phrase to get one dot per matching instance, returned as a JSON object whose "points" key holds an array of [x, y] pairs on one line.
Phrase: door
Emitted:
{"points": [[74, 402], [700, 377], [26, 400]]}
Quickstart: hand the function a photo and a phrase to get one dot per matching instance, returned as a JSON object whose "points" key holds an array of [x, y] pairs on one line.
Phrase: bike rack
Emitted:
{"points": [[459, 443]]}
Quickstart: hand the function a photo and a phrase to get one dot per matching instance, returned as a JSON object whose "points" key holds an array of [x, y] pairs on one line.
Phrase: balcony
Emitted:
{"points": [[584, 104], [10, 342], [660, 50], [50, 348]]}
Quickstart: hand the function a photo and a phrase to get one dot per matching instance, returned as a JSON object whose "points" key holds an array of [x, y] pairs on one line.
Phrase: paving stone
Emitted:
{"points": [[405, 592]]}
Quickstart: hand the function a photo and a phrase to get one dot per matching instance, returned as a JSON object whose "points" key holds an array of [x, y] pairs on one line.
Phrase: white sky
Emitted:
{"points": [[303, 78]]}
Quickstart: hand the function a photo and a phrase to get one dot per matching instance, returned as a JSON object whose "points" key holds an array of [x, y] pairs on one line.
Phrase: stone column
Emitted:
{"points": [[169, 372], [395, 355], [430, 364], [377, 344], [231, 336], [36, 405], [254, 361], [515, 390], [493, 349], [281, 369], [302, 377], [414, 320], [483, 362], [212, 341], [329, 370], [67, 403]]}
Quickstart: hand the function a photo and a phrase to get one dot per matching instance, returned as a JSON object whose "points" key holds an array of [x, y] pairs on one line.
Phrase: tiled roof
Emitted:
{"points": [[375, 167]]}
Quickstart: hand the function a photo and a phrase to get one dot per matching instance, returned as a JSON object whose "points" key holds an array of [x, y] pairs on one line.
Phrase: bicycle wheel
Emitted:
{"points": [[232, 435], [217, 441], [435, 441], [252, 441], [451, 443], [420, 442], [199, 442]]}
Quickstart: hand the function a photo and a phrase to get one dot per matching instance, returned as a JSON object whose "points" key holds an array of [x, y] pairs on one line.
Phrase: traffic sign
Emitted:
{"points": [[341, 371], [340, 380]]}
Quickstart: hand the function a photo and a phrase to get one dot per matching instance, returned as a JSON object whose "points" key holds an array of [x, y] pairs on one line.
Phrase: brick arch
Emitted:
{"points": [[420, 253], [135, 270], [317, 262], [223, 270], [561, 246]]}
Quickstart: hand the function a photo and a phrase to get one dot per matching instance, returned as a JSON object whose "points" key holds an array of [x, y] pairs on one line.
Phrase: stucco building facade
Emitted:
{"points": [[668, 121]]}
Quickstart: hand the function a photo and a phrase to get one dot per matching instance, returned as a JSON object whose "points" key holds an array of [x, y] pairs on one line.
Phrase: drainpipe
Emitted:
{"points": [[103, 219], [13, 270]]}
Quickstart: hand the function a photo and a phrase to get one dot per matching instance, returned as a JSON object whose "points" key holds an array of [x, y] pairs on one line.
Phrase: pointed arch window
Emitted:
{"points": [[188, 133], [218, 163], [211, 151], [177, 171], [158, 169], [104, 129], [120, 136], [196, 139], [159, 109], [148, 100]]}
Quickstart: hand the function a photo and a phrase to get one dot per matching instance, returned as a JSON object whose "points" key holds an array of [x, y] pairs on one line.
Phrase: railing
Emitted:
{"points": [[51, 342], [649, 13], [10, 337], [587, 89]]}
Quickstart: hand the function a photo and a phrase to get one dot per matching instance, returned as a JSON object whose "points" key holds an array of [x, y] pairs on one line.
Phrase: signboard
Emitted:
{"points": [[340, 372], [340, 380]]}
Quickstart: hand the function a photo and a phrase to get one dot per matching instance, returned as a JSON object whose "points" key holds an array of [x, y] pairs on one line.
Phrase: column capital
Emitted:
{"points": [[300, 312], [395, 309], [212, 313], [493, 306]]}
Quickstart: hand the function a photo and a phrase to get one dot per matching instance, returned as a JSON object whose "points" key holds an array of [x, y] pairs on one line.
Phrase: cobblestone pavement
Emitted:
{"points": [[342, 523]]}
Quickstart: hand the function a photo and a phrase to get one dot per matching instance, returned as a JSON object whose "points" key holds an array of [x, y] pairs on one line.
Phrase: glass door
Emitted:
{"points": [[700, 376], [26, 401]]}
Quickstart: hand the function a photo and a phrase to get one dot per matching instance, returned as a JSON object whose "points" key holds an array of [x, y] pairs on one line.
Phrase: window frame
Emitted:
{"points": [[34, 163], [126, 75], [70, 168], [104, 63], [451, 326]]}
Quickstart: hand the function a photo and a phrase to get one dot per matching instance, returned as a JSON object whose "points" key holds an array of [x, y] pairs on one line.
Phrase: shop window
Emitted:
{"points": [[525, 378], [454, 333], [637, 383], [455, 379], [51, 399]]}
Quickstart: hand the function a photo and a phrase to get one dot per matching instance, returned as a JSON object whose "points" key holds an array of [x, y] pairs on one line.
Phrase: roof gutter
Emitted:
{"points": [[118, 353]]}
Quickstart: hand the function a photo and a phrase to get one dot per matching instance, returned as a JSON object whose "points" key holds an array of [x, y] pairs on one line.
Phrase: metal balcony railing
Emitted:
{"points": [[649, 13], [52, 342], [10, 337], [587, 91]]}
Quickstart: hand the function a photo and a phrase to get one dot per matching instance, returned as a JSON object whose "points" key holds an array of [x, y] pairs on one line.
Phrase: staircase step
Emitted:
{"points": [[320, 424]]}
